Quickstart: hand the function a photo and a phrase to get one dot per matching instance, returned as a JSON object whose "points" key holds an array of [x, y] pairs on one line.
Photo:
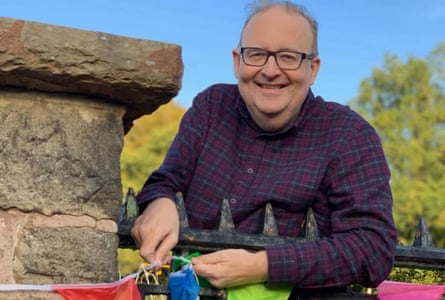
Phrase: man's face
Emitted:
{"points": [[274, 96]]}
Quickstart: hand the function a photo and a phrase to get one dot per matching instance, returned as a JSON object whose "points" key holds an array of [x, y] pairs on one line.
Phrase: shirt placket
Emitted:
{"points": [[250, 155]]}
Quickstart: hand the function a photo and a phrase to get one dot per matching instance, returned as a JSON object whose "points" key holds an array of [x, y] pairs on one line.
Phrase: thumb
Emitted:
{"points": [[210, 258]]}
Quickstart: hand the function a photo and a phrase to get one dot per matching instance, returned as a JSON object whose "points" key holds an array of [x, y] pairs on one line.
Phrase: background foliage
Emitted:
{"points": [[404, 101], [147, 142]]}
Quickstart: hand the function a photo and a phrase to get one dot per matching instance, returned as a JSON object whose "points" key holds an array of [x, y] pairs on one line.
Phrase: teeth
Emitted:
{"points": [[267, 86]]}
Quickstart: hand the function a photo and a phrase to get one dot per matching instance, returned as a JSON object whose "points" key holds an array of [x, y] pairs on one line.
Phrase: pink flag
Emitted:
{"points": [[124, 289], [391, 290]]}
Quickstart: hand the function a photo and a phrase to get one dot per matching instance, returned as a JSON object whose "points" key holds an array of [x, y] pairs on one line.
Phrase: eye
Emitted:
{"points": [[289, 56], [256, 54]]}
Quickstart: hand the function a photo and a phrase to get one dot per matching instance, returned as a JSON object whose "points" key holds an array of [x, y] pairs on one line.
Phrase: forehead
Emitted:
{"points": [[278, 28]]}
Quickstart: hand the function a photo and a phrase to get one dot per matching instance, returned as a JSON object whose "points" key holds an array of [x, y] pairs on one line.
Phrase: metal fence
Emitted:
{"points": [[422, 254]]}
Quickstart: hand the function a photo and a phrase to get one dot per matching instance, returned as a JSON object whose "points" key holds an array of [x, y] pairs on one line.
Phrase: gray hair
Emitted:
{"points": [[259, 6]]}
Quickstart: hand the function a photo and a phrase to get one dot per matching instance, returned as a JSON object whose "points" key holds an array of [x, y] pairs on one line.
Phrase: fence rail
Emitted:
{"points": [[422, 254]]}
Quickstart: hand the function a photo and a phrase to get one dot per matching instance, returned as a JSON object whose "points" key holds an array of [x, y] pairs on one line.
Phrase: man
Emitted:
{"points": [[270, 140]]}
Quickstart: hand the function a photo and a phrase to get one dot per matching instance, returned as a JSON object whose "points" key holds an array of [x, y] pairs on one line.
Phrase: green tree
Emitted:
{"points": [[405, 102], [146, 144]]}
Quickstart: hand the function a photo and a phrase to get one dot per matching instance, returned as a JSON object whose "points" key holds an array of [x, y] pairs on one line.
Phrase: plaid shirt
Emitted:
{"points": [[330, 159]]}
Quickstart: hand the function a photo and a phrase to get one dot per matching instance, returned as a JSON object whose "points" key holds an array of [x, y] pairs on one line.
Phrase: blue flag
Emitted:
{"points": [[183, 284]]}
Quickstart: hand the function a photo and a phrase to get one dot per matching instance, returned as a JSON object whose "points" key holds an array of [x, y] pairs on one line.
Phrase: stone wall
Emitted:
{"points": [[67, 97]]}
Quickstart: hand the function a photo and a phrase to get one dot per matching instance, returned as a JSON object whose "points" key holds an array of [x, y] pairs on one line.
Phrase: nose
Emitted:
{"points": [[271, 67]]}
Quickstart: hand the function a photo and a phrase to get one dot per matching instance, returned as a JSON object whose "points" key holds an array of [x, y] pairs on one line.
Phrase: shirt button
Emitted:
{"points": [[233, 201], [250, 171]]}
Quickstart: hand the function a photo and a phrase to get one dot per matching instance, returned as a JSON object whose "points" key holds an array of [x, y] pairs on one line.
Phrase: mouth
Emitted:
{"points": [[271, 86]]}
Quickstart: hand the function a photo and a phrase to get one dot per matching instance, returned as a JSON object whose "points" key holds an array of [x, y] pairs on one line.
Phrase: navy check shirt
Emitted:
{"points": [[331, 159]]}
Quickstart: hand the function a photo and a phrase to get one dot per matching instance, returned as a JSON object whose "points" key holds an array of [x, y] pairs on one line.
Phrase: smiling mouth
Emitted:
{"points": [[271, 86]]}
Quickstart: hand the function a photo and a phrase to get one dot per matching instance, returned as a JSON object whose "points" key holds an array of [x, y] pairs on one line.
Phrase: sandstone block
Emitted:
{"points": [[140, 74], [59, 156], [65, 255]]}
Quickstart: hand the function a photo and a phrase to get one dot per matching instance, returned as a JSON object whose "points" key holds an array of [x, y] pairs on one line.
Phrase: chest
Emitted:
{"points": [[252, 171]]}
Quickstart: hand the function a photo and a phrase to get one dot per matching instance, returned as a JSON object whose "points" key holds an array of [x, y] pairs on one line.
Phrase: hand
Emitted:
{"points": [[232, 267], [156, 231]]}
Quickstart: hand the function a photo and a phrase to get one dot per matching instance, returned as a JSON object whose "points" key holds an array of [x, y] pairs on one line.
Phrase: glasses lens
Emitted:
{"points": [[288, 60], [254, 57]]}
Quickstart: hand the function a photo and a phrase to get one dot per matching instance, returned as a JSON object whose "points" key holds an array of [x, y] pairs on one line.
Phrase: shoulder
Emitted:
{"points": [[337, 127], [217, 103], [217, 99], [336, 116], [218, 93]]}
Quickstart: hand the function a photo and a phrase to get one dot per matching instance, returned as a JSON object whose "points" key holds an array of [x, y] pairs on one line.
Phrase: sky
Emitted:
{"points": [[354, 35]]}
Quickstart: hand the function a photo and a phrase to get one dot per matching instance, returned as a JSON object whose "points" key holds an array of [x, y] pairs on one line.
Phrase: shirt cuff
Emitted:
{"points": [[281, 264]]}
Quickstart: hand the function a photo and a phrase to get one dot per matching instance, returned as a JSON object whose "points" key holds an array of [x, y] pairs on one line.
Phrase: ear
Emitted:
{"points": [[236, 55], [315, 66]]}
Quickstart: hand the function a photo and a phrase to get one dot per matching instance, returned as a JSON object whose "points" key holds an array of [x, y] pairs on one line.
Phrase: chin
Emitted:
{"points": [[270, 107]]}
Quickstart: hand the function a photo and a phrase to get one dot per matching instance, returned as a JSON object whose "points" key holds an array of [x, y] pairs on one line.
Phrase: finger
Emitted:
{"points": [[210, 258], [204, 270], [165, 246], [166, 260], [135, 233], [148, 251], [207, 265], [150, 241], [210, 274]]}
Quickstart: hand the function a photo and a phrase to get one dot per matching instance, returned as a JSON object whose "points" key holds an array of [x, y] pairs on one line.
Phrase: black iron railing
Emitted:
{"points": [[422, 254]]}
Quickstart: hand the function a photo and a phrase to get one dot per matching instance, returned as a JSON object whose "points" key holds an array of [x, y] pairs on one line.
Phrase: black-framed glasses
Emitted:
{"points": [[285, 59]]}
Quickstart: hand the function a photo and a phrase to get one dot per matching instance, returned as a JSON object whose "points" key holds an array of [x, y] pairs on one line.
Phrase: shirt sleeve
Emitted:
{"points": [[360, 248], [177, 168]]}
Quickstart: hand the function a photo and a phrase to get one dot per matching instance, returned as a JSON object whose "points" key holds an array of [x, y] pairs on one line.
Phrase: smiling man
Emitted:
{"points": [[268, 139]]}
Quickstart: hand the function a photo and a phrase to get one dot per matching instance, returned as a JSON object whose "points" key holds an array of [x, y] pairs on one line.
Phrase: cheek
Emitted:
{"points": [[246, 73], [301, 78], [242, 72]]}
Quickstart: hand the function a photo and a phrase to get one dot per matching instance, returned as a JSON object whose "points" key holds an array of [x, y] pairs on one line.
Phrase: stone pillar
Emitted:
{"points": [[67, 97]]}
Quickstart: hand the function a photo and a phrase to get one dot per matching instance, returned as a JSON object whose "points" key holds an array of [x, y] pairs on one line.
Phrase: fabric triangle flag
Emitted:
{"points": [[124, 289], [183, 284], [391, 290]]}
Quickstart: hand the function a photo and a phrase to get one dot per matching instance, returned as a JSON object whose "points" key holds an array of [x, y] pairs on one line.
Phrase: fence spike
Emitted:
{"points": [[129, 209], [226, 219], [183, 220], [270, 225], [310, 226], [422, 237]]}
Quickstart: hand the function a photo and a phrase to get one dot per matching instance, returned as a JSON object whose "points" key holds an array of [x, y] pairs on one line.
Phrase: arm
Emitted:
{"points": [[177, 169], [156, 230], [362, 241]]}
